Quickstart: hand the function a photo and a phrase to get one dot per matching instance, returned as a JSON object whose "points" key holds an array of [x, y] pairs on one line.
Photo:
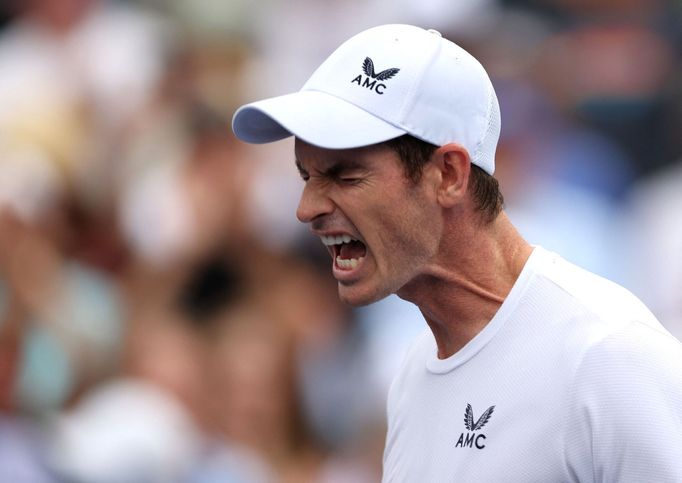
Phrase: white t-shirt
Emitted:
{"points": [[573, 380]]}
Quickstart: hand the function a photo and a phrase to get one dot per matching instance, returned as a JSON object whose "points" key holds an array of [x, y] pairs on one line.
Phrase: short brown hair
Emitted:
{"points": [[415, 153]]}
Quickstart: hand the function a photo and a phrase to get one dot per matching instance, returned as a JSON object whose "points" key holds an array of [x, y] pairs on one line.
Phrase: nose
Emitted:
{"points": [[313, 204]]}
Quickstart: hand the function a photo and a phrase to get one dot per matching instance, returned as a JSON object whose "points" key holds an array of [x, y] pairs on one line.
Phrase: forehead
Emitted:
{"points": [[309, 156]]}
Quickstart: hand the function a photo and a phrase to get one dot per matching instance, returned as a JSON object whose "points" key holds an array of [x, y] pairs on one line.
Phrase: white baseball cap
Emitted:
{"points": [[383, 83]]}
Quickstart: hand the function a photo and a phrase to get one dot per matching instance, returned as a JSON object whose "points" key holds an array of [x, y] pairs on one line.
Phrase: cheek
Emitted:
{"points": [[406, 231]]}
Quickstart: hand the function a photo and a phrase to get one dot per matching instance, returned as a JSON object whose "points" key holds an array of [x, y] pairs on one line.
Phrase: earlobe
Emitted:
{"points": [[455, 165]]}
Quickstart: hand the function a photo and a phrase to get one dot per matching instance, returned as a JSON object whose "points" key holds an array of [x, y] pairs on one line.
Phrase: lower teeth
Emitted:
{"points": [[347, 263]]}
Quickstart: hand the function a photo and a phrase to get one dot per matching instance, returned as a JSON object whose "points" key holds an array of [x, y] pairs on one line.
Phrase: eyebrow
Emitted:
{"points": [[335, 169]]}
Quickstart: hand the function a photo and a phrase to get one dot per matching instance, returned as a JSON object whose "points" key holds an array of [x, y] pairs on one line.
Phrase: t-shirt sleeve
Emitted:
{"points": [[625, 409]]}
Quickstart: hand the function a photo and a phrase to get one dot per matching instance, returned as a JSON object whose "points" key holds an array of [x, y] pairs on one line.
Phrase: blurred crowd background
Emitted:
{"points": [[163, 316]]}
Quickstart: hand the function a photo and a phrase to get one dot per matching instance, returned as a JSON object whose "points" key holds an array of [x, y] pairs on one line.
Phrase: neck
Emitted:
{"points": [[463, 288]]}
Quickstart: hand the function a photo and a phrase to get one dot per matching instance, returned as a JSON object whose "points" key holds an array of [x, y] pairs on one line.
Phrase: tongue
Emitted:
{"points": [[354, 249]]}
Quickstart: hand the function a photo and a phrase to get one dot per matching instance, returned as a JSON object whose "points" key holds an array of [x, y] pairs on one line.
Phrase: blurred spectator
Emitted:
{"points": [[615, 76], [66, 316], [70, 88], [163, 420], [60, 331]]}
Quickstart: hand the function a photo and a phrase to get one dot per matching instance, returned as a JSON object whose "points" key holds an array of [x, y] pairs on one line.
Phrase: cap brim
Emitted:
{"points": [[313, 116]]}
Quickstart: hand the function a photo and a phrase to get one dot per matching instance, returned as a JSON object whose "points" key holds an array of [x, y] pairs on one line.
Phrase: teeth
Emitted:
{"points": [[336, 240], [348, 263]]}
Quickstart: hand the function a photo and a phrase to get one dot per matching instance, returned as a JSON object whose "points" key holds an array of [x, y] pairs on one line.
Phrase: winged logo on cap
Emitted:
{"points": [[368, 67], [469, 418]]}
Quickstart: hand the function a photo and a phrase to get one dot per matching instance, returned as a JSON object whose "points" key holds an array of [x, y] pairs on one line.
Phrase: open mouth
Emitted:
{"points": [[346, 251]]}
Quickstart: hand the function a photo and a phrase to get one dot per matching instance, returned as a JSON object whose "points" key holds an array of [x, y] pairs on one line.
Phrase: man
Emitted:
{"points": [[533, 370]]}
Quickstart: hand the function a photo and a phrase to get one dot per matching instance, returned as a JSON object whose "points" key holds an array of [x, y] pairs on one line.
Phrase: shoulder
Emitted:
{"points": [[635, 353], [617, 331], [609, 307], [618, 346]]}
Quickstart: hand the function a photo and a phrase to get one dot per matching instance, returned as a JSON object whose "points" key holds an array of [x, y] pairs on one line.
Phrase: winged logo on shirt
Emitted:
{"points": [[469, 418]]}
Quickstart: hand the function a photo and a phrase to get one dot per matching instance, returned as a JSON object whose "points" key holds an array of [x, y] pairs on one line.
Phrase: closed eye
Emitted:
{"points": [[342, 173], [347, 173], [349, 180]]}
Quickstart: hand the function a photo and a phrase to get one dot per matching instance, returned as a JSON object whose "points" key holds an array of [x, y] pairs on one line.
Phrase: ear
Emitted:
{"points": [[454, 165]]}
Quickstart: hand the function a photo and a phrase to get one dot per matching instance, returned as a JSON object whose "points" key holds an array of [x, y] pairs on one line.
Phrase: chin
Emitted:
{"points": [[357, 297]]}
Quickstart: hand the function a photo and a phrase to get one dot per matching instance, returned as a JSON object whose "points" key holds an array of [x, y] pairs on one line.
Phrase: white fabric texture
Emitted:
{"points": [[573, 380]]}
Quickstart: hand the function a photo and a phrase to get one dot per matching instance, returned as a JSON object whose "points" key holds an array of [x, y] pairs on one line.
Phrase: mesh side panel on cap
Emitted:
{"points": [[484, 156]]}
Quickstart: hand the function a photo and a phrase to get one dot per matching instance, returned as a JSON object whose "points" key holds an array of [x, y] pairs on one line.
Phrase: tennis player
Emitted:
{"points": [[533, 370]]}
